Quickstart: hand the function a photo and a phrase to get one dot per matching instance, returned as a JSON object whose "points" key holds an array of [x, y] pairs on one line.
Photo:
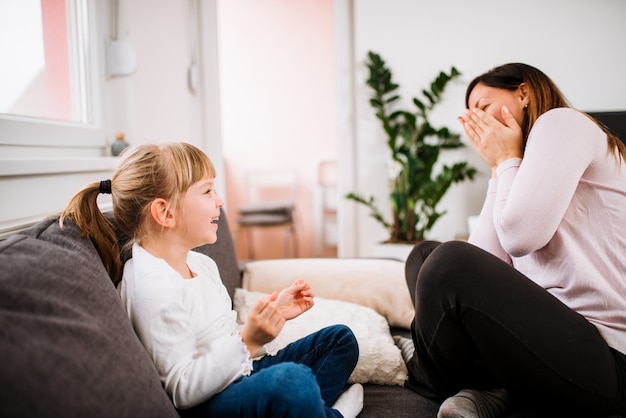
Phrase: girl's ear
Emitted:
{"points": [[161, 213]]}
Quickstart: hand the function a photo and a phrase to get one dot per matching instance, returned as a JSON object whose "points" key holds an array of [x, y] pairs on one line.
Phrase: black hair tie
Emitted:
{"points": [[105, 186]]}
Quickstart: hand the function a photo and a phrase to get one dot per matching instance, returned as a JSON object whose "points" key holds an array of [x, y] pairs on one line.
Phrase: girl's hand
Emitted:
{"points": [[263, 324], [295, 299], [493, 140]]}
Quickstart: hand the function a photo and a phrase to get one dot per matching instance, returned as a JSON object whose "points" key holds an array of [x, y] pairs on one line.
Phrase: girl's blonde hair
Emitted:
{"points": [[145, 173], [543, 95]]}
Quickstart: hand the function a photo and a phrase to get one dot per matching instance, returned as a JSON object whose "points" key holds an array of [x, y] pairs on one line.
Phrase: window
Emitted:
{"points": [[51, 138], [48, 77]]}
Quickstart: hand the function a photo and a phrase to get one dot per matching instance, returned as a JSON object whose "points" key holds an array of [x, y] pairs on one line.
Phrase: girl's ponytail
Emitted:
{"points": [[83, 210]]}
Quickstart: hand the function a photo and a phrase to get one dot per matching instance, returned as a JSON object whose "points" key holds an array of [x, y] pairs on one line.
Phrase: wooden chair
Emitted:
{"points": [[270, 202]]}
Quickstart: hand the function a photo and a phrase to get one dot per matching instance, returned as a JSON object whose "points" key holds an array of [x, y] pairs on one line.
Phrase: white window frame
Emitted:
{"points": [[19, 134], [43, 162]]}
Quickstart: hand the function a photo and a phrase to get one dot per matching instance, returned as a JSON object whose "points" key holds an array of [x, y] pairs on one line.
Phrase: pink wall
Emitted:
{"points": [[278, 98]]}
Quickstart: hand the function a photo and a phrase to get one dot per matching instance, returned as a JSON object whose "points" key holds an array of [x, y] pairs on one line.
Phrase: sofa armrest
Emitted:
{"points": [[376, 283]]}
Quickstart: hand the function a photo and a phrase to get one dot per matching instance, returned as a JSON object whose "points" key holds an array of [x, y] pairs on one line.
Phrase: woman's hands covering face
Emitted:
{"points": [[494, 141]]}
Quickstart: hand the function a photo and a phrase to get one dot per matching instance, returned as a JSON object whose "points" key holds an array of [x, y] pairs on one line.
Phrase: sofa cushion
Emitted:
{"points": [[67, 346], [380, 361], [376, 283]]}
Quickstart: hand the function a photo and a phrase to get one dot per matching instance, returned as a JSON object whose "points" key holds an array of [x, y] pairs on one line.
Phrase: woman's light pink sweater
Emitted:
{"points": [[559, 216]]}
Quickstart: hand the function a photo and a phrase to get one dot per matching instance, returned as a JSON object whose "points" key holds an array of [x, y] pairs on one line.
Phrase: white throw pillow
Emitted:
{"points": [[380, 360], [375, 283]]}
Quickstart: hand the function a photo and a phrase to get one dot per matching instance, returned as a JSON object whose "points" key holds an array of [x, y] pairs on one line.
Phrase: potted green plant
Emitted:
{"points": [[415, 146]]}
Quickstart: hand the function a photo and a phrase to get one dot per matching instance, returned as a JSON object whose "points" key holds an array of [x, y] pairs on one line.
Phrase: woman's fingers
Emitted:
{"points": [[470, 131], [479, 127], [472, 121]]}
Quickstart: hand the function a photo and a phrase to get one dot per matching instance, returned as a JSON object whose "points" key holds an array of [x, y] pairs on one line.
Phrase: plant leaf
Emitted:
{"points": [[415, 144]]}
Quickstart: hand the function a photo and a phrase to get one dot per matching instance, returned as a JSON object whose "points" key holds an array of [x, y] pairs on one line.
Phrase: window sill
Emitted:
{"points": [[42, 166], [34, 188]]}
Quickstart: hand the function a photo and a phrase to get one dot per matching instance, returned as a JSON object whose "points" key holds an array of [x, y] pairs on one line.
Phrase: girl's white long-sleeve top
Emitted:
{"points": [[187, 326], [559, 217]]}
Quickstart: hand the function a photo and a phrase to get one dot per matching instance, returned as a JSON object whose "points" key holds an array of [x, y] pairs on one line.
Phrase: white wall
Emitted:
{"points": [[580, 44], [156, 103]]}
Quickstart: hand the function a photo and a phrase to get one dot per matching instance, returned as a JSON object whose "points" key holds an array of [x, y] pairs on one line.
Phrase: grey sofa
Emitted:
{"points": [[68, 349]]}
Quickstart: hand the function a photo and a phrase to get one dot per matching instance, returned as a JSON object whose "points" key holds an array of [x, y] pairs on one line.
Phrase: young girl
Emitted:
{"points": [[164, 198], [533, 309]]}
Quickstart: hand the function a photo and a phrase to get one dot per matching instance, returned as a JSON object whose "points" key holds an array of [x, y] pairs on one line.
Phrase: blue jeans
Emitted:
{"points": [[302, 380]]}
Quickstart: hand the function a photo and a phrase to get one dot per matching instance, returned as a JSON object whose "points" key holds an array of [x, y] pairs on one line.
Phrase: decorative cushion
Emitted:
{"points": [[68, 349], [380, 360], [375, 283]]}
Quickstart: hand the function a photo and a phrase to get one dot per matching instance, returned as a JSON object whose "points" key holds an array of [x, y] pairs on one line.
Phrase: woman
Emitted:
{"points": [[533, 309]]}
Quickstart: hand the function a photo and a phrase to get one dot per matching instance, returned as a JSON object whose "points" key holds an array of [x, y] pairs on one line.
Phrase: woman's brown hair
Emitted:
{"points": [[145, 173], [543, 95]]}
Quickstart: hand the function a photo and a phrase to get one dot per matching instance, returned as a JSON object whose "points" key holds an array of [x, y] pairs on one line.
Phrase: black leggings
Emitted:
{"points": [[481, 324]]}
